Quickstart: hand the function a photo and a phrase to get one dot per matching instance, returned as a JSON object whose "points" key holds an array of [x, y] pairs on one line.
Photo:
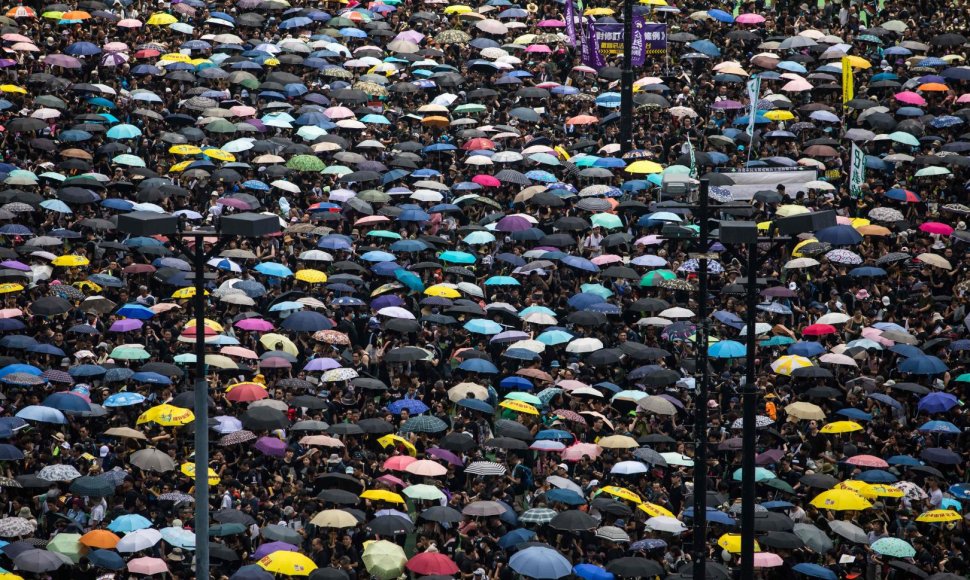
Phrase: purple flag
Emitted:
{"points": [[571, 21], [605, 39]]}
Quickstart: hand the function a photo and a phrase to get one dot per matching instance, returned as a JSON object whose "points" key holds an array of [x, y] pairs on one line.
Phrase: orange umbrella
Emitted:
{"points": [[872, 230], [933, 87], [436, 121], [76, 15], [100, 539]]}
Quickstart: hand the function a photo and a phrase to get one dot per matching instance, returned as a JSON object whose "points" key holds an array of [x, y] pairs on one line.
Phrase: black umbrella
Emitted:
{"points": [[782, 540], [376, 426], [329, 574], [340, 481], [345, 429], [50, 306], [573, 521], [514, 429], [90, 486], [338, 496], [819, 480], [456, 442], [441, 514], [264, 419], [635, 567], [390, 526], [233, 516], [506, 443]]}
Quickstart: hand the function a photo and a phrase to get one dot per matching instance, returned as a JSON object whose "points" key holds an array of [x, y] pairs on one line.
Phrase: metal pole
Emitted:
{"points": [[201, 420], [626, 80], [700, 404], [749, 402]]}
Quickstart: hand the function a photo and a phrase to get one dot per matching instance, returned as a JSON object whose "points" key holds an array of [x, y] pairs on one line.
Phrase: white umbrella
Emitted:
{"points": [[838, 359], [666, 524], [584, 345], [833, 318], [139, 540], [676, 312]]}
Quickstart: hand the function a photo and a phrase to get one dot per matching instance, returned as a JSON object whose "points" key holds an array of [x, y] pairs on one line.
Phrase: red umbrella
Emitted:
{"points": [[246, 393], [486, 180], [432, 563], [478, 143], [819, 330]]}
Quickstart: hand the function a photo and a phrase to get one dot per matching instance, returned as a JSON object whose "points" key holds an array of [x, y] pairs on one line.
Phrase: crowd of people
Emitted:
{"points": [[472, 349]]}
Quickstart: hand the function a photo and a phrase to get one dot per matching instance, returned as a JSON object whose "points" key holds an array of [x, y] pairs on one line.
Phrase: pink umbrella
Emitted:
{"points": [[399, 462], [426, 468], [797, 86], [936, 228], [129, 23], [551, 24], [580, 450], [965, 98], [910, 98], [486, 180], [255, 325], [335, 113], [767, 560], [410, 35], [148, 566], [867, 461], [391, 481], [749, 19], [876, 335], [115, 47], [239, 351], [539, 48], [606, 259], [242, 111]]}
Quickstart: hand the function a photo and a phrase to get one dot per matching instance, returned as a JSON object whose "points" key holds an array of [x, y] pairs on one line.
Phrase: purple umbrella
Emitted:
{"points": [[385, 301], [271, 446], [126, 325], [513, 223], [15, 265], [321, 364], [727, 105], [266, 549], [62, 60], [446, 455]]}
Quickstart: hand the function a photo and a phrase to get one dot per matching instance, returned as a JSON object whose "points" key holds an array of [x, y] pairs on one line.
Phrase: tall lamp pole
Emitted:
{"points": [[700, 405], [626, 80], [249, 225]]}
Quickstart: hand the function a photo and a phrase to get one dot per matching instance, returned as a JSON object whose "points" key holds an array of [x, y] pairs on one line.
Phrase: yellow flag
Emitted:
{"points": [[847, 81]]}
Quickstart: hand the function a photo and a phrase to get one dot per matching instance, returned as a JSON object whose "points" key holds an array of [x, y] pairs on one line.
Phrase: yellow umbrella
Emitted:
{"points": [[442, 291], [189, 469], [841, 500], [764, 226], [208, 322], [779, 115], [287, 563], [175, 57], [642, 166], [653, 510], [13, 89], [622, 493], [784, 365], [184, 150], [9, 287], [70, 261], [167, 416], [161, 19], [311, 276], [273, 341], [382, 495], [930, 516], [389, 287], [519, 407], [859, 222], [184, 293], [458, 9], [598, 12], [219, 155], [841, 427], [795, 253], [87, 285], [858, 61], [389, 440], [732, 543], [180, 166], [805, 411], [883, 490]]}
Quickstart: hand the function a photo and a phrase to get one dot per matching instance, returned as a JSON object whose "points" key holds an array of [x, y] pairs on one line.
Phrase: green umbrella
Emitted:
{"points": [[384, 234], [337, 170], [597, 289], [780, 485], [374, 196], [423, 491], [470, 108], [68, 545], [220, 126], [656, 277], [525, 398], [606, 221], [130, 353], [384, 560], [129, 160], [893, 547], [306, 163]]}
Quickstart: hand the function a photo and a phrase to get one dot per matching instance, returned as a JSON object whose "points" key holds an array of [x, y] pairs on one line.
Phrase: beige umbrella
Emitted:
{"points": [[467, 391], [838, 359], [801, 263], [220, 361], [618, 442], [805, 411], [334, 519], [656, 405], [125, 433], [935, 260]]}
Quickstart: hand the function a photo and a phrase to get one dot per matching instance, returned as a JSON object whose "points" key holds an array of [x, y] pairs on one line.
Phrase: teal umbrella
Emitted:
{"points": [[409, 279], [457, 257], [502, 281], [893, 547]]}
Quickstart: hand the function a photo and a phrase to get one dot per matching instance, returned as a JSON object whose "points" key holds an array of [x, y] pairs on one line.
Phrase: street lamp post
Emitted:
{"points": [[626, 80], [247, 225]]}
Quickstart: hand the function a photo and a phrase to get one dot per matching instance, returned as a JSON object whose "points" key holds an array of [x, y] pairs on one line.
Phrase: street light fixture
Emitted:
{"points": [[246, 225]]}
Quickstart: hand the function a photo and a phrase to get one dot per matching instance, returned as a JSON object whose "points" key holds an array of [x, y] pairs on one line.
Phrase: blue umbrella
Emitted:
{"points": [[592, 572], [554, 435], [273, 269], [409, 279], [584, 300], [515, 537], [939, 427], [854, 414], [706, 47], [478, 365], [67, 403], [807, 349], [876, 476], [413, 406], [554, 337], [476, 405], [118, 375], [251, 572], [580, 263], [306, 321], [566, 496], [937, 403], [519, 383], [151, 378], [378, 256], [727, 349], [960, 490], [129, 523], [713, 515], [134, 310], [906, 350], [43, 414], [867, 272], [123, 131], [20, 368], [483, 326], [886, 400], [124, 399], [840, 235], [721, 16], [903, 460], [815, 571], [106, 559], [86, 371], [457, 257], [923, 365], [542, 563]]}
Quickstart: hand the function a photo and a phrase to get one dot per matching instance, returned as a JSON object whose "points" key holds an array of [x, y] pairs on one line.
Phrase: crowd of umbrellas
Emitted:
{"points": [[472, 349]]}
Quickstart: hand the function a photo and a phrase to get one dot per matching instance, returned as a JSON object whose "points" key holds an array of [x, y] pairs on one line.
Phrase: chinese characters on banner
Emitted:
{"points": [[605, 39]]}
